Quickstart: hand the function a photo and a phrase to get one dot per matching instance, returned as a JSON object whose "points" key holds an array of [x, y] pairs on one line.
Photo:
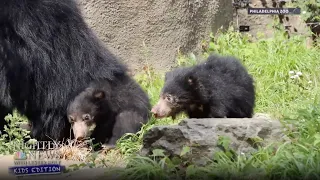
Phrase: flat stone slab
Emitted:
{"points": [[202, 135]]}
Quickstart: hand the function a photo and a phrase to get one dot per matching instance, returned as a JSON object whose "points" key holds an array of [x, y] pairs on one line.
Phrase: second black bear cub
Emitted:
{"points": [[113, 108], [217, 88]]}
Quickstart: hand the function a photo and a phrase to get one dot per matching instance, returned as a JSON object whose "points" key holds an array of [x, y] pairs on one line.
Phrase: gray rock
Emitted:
{"points": [[202, 135]]}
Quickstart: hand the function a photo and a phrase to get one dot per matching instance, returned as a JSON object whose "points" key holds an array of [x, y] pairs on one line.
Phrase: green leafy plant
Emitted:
{"points": [[13, 137], [272, 62], [310, 9]]}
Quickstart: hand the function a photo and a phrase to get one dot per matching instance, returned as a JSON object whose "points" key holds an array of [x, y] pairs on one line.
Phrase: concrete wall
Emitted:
{"points": [[151, 32]]}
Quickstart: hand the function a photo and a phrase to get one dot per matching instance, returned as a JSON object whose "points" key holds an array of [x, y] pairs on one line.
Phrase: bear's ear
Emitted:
{"points": [[99, 94]]}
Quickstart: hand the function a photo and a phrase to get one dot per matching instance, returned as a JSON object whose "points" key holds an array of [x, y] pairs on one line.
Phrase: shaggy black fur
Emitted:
{"points": [[48, 55], [219, 87], [115, 108]]}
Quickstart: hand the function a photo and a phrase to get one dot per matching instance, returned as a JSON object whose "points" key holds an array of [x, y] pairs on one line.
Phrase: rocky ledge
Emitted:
{"points": [[203, 136]]}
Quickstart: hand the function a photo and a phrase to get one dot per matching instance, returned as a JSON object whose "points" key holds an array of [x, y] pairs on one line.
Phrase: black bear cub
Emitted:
{"points": [[114, 108], [217, 88]]}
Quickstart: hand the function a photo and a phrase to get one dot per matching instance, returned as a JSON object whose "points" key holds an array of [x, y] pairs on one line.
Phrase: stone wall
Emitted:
{"points": [[149, 32]]}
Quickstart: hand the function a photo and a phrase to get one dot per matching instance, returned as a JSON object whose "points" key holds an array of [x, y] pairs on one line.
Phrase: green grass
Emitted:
{"points": [[293, 101]]}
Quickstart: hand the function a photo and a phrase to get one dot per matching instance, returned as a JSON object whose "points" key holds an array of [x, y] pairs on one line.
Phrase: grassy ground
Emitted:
{"points": [[275, 65]]}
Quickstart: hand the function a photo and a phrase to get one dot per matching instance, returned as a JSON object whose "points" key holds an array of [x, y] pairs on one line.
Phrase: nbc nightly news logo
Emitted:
{"points": [[33, 167]]}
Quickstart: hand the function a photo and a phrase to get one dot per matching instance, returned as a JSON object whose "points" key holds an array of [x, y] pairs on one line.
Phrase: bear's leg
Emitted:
{"points": [[239, 114], [126, 122], [218, 111], [197, 111], [102, 133]]}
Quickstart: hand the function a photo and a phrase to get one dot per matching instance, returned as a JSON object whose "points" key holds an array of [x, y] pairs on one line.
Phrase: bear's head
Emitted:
{"points": [[83, 110]]}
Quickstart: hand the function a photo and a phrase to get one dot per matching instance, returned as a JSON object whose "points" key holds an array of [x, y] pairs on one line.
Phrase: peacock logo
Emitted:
{"points": [[20, 156]]}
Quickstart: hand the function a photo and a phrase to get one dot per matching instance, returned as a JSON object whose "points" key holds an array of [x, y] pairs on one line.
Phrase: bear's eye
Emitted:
{"points": [[71, 119], [169, 98], [86, 117]]}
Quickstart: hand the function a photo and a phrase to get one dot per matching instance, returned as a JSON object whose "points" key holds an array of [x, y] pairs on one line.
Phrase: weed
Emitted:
{"points": [[286, 75]]}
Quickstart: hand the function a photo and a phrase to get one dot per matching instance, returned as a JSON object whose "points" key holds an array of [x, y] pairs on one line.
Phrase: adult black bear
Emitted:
{"points": [[115, 108], [219, 87], [48, 55]]}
